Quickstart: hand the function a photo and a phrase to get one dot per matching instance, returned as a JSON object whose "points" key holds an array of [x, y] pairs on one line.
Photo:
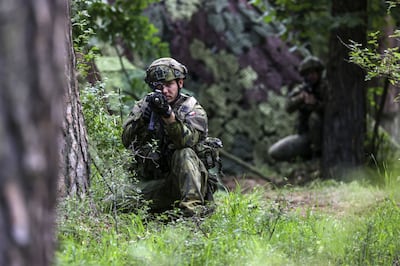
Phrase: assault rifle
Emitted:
{"points": [[156, 98], [307, 88]]}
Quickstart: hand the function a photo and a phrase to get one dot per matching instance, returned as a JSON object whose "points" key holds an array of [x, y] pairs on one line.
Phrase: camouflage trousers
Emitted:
{"points": [[185, 185], [299, 145]]}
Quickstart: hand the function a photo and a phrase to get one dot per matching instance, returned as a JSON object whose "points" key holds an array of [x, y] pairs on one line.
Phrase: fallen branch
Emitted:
{"points": [[249, 167]]}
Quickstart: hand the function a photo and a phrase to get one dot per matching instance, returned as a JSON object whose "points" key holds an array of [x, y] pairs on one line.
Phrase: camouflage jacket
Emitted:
{"points": [[296, 103], [152, 148]]}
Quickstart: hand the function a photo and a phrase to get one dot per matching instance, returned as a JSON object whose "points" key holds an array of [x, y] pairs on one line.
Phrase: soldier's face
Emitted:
{"points": [[312, 76], [170, 89]]}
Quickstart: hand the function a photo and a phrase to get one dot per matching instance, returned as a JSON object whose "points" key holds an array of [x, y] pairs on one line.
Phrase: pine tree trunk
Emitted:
{"points": [[32, 57], [344, 126], [74, 174]]}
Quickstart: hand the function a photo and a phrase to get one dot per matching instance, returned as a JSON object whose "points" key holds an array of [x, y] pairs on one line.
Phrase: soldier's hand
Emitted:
{"points": [[159, 104], [300, 98], [147, 114], [309, 98]]}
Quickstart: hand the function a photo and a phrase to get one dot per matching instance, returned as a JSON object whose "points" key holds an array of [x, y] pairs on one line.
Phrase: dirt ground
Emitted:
{"points": [[338, 200]]}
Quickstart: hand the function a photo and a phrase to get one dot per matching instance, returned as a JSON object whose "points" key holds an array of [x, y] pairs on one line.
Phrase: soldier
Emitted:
{"points": [[307, 100], [163, 130]]}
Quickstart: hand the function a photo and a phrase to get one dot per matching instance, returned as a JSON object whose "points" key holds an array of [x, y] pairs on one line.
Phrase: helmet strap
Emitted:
{"points": [[179, 87]]}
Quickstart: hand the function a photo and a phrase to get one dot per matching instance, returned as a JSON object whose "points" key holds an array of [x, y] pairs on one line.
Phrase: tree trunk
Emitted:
{"points": [[74, 174], [391, 117], [31, 104], [344, 127]]}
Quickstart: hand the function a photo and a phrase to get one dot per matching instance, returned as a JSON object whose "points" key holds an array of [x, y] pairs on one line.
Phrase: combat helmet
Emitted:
{"points": [[310, 62], [165, 69]]}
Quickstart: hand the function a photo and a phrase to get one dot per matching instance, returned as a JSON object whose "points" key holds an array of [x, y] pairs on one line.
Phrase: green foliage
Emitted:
{"points": [[182, 9], [391, 5], [302, 19], [245, 229], [122, 21], [387, 148], [82, 33], [375, 242], [122, 77], [377, 64], [120, 24], [112, 185], [269, 12], [242, 29], [98, 25], [87, 237], [104, 129]]}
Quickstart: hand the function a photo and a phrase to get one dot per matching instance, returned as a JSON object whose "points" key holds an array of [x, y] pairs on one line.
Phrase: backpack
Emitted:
{"points": [[208, 153]]}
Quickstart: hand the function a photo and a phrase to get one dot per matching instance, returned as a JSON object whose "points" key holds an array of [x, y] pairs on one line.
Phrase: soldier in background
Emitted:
{"points": [[307, 100], [165, 131]]}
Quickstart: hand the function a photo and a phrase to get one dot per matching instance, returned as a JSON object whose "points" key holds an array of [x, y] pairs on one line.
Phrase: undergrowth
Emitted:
{"points": [[245, 229], [361, 226]]}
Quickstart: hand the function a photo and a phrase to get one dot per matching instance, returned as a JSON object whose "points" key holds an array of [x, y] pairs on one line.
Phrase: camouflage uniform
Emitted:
{"points": [[167, 165], [307, 142]]}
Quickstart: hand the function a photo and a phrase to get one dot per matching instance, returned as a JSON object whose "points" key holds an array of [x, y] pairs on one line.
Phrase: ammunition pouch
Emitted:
{"points": [[208, 153]]}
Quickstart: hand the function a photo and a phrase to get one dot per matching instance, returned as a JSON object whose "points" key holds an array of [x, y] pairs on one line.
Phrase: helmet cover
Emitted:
{"points": [[165, 69], [310, 63]]}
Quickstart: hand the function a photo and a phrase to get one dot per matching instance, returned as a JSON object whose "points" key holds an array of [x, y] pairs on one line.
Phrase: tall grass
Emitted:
{"points": [[245, 229]]}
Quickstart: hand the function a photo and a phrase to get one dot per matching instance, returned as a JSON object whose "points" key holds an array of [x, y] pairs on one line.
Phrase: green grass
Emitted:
{"points": [[361, 226]]}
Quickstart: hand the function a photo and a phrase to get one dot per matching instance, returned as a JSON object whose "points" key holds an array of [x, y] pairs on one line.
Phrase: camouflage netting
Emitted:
{"points": [[238, 67]]}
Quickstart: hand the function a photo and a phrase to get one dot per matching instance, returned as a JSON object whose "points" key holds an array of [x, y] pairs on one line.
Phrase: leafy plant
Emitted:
{"points": [[82, 34], [376, 64], [113, 185], [120, 23]]}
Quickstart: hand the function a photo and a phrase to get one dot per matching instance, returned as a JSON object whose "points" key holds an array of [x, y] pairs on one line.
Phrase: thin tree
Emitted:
{"points": [[32, 57], [345, 112]]}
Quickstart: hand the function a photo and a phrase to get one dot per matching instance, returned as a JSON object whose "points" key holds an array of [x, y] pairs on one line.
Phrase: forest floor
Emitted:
{"points": [[335, 198]]}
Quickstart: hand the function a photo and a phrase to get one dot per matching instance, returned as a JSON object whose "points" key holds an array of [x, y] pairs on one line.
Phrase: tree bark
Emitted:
{"points": [[32, 57], [74, 174], [344, 126]]}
